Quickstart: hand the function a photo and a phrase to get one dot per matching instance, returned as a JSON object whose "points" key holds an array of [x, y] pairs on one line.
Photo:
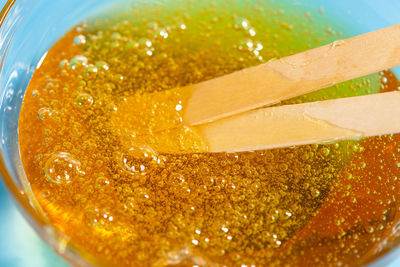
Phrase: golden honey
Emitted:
{"points": [[91, 147]]}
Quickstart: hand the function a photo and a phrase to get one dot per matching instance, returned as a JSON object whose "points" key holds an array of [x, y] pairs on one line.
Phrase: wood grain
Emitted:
{"points": [[323, 121], [272, 82]]}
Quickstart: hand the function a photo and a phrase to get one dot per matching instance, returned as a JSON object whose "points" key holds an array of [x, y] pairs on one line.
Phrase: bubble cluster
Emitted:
{"points": [[108, 157]]}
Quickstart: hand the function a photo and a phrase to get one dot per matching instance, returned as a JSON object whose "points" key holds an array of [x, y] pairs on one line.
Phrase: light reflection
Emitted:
{"points": [[41, 60]]}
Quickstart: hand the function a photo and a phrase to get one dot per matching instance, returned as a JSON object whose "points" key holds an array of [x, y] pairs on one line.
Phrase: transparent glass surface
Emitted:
{"points": [[29, 28]]}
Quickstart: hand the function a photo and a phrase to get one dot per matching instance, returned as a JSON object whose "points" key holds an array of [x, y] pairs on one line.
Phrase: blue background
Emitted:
{"points": [[21, 246]]}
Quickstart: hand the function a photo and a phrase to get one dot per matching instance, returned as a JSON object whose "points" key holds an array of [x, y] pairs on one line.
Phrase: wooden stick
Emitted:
{"points": [[316, 122], [272, 82]]}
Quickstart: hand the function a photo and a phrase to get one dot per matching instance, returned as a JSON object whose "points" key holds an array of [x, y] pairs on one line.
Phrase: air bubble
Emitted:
{"points": [[102, 65], [259, 46], [242, 24], [252, 32], [109, 87], [144, 42], [116, 36], [177, 178], [90, 70], [80, 39], [62, 168], [131, 45], [178, 186], [78, 61], [102, 184], [84, 100], [138, 159], [45, 113], [283, 167], [164, 33], [315, 193], [98, 217], [231, 158], [325, 152], [64, 63]]}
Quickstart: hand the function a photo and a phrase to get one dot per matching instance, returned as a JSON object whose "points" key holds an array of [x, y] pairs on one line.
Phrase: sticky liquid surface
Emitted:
{"points": [[90, 144]]}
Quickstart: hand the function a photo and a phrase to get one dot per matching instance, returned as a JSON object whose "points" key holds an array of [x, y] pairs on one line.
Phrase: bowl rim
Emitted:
{"points": [[18, 194], [52, 236], [71, 255]]}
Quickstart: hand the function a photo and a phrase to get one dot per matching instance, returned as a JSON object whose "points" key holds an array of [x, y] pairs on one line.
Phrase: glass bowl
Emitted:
{"points": [[29, 28]]}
